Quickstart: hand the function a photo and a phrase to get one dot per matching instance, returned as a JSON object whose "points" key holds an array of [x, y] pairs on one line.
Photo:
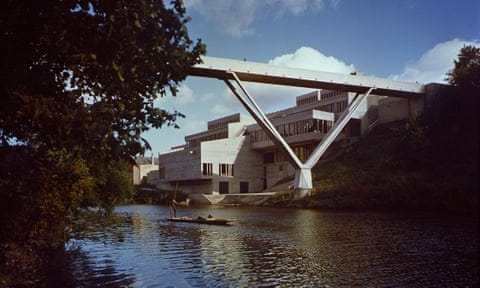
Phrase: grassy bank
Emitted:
{"points": [[397, 167]]}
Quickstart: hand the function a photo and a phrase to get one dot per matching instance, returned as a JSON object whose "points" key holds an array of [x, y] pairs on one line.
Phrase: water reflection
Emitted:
{"points": [[93, 267], [277, 247]]}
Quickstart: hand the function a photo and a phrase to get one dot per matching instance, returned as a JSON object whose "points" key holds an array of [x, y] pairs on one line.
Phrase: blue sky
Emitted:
{"points": [[405, 40]]}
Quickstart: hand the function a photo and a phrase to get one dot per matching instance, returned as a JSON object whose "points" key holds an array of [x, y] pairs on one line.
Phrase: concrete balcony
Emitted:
{"points": [[307, 137]]}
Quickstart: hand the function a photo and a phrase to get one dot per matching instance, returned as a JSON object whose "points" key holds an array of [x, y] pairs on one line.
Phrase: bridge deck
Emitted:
{"points": [[213, 67]]}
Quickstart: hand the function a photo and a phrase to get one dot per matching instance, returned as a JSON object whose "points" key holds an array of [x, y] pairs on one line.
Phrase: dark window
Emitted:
{"points": [[225, 169], [223, 187], [269, 157], [244, 187], [207, 169]]}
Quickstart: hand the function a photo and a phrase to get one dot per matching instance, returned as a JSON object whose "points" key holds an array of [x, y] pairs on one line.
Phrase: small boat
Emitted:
{"points": [[201, 220]]}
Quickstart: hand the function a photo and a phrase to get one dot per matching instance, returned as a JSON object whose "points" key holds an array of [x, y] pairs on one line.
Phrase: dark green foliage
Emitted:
{"points": [[114, 183], [466, 72], [115, 57], [39, 192], [78, 80], [405, 166]]}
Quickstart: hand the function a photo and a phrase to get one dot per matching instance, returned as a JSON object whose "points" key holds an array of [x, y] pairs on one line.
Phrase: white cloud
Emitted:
{"points": [[226, 104], [236, 17], [273, 97], [220, 110], [185, 95], [193, 126], [434, 64], [309, 58], [208, 96], [297, 7]]}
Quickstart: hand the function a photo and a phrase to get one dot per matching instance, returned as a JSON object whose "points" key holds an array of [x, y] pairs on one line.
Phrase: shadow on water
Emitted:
{"points": [[274, 247], [85, 271]]}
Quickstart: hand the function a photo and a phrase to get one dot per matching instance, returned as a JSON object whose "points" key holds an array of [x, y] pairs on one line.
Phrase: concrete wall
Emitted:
{"points": [[394, 109], [181, 165], [278, 171], [152, 175], [186, 166], [247, 163], [367, 113], [145, 174]]}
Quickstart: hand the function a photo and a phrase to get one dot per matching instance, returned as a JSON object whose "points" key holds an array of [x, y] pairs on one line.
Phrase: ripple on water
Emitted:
{"points": [[277, 247]]}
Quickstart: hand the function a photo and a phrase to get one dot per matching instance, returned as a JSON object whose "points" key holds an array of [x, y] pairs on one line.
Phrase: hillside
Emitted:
{"points": [[427, 163]]}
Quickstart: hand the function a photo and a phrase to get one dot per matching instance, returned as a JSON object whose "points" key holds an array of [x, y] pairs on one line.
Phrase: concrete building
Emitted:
{"points": [[146, 170], [234, 155]]}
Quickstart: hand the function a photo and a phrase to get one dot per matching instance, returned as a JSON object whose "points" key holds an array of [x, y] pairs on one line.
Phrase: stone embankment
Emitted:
{"points": [[252, 199]]}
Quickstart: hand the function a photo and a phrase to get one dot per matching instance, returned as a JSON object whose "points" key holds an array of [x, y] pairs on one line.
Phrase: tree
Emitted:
{"points": [[114, 57], [78, 80], [116, 184], [466, 72]]}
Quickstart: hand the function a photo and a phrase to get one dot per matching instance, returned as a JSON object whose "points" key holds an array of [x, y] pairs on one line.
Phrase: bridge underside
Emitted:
{"points": [[233, 72]]}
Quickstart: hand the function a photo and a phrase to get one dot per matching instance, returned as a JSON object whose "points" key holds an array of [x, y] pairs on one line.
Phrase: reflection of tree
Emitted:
{"points": [[277, 265], [95, 225], [273, 248], [223, 257], [180, 249], [85, 272], [282, 252]]}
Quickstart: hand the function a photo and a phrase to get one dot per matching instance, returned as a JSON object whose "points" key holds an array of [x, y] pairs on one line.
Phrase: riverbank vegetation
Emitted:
{"points": [[150, 194], [380, 173], [426, 163], [78, 81]]}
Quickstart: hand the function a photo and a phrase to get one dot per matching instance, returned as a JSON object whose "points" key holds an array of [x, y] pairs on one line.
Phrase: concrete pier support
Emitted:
{"points": [[303, 183]]}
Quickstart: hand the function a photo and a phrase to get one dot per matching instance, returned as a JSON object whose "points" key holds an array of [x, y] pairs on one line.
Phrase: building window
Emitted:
{"points": [[244, 187], [207, 169], [281, 130], [161, 172], [310, 127], [225, 169], [223, 187], [269, 157]]}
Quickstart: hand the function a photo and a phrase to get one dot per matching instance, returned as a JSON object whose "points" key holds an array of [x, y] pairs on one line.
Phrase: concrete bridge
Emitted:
{"points": [[235, 72]]}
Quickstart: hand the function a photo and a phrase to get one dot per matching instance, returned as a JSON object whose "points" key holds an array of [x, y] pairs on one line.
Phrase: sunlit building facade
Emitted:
{"points": [[234, 155]]}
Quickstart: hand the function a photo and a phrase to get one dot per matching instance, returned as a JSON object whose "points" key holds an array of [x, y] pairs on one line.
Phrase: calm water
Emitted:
{"points": [[278, 248]]}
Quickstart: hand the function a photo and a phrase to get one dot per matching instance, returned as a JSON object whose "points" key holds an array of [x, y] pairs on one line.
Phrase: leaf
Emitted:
{"points": [[137, 23], [117, 69]]}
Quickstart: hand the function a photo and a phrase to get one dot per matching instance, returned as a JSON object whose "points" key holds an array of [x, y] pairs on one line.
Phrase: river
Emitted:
{"points": [[271, 247]]}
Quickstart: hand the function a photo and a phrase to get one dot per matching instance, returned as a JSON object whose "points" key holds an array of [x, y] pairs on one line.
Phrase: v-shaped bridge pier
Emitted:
{"points": [[233, 72]]}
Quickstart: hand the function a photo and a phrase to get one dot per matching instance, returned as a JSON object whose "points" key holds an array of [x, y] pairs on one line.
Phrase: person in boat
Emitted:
{"points": [[173, 209], [202, 218]]}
